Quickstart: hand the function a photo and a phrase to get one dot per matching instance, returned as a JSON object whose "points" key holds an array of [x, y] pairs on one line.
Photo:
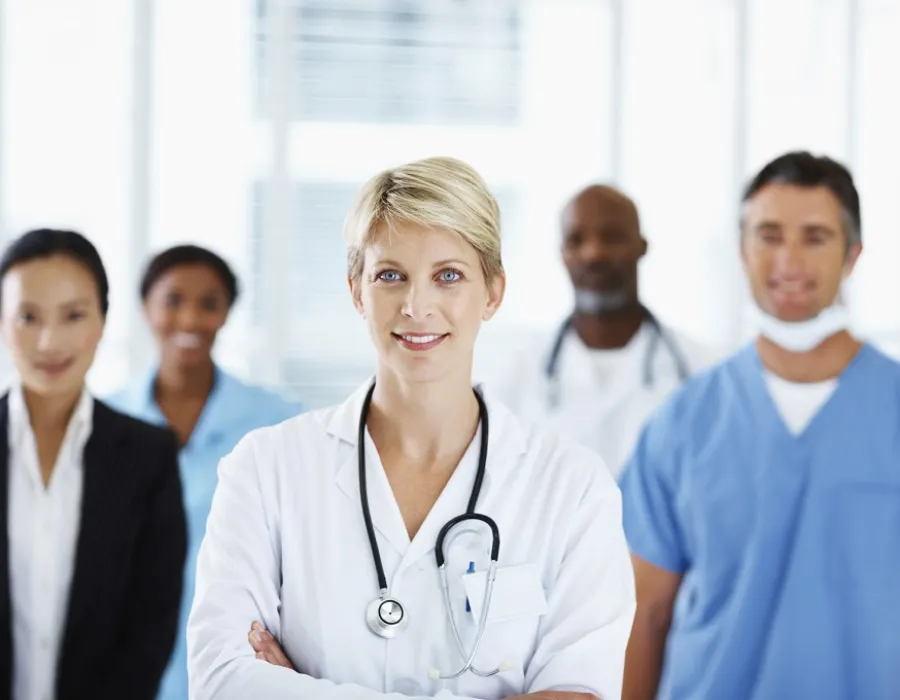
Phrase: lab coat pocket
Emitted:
{"points": [[517, 593]]}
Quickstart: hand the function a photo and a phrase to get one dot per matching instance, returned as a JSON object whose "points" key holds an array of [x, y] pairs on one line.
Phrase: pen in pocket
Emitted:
{"points": [[470, 570]]}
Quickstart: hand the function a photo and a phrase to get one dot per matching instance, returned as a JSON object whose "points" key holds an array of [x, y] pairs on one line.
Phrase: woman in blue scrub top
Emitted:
{"points": [[187, 293]]}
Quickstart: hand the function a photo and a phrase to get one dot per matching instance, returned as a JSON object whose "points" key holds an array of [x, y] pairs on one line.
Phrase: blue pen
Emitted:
{"points": [[470, 570]]}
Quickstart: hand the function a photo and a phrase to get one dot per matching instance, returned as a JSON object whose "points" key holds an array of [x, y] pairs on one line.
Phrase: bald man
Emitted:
{"points": [[605, 370]]}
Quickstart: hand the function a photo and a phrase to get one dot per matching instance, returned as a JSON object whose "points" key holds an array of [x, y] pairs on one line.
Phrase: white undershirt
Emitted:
{"points": [[615, 364], [799, 402], [43, 530]]}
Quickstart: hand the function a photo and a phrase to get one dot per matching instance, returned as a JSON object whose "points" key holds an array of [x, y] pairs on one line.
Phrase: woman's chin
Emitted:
{"points": [[189, 358]]}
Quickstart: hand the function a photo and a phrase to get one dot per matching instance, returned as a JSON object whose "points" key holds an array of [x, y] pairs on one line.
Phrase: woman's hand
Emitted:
{"points": [[266, 648]]}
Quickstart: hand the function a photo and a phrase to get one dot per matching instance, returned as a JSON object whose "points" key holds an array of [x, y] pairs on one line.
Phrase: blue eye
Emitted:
{"points": [[389, 276], [450, 276]]}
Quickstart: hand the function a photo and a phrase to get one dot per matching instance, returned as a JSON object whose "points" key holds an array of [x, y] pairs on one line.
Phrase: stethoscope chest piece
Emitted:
{"points": [[386, 617]]}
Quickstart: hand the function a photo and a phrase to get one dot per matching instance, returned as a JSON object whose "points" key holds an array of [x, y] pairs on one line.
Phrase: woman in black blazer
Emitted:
{"points": [[95, 541]]}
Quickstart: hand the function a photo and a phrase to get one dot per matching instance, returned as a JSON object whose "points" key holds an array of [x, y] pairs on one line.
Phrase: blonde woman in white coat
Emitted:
{"points": [[325, 530]]}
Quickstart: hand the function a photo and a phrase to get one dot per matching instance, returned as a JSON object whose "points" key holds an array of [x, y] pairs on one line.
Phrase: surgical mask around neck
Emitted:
{"points": [[803, 336], [591, 303]]}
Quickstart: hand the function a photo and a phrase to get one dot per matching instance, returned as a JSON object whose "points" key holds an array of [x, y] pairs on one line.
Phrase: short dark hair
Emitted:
{"points": [[804, 169], [180, 255], [47, 242]]}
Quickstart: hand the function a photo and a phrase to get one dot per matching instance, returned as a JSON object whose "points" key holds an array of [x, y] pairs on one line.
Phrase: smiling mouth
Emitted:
{"points": [[55, 368], [791, 287], [419, 341], [187, 341]]}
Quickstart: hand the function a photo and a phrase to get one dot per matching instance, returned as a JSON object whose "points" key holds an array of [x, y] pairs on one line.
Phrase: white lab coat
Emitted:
{"points": [[603, 403], [286, 545]]}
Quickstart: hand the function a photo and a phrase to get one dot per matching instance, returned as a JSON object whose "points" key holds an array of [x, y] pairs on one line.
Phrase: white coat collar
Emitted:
{"points": [[506, 433], [507, 443]]}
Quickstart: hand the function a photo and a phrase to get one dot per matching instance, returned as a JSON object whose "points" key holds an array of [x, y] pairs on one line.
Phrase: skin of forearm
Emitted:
{"points": [[644, 659]]}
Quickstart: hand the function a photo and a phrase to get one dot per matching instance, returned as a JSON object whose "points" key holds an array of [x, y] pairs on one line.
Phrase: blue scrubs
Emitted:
{"points": [[232, 410], [789, 545]]}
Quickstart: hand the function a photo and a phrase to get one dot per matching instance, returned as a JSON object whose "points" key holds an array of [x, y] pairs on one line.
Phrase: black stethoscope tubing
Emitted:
{"points": [[470, 508], [551, 370]]}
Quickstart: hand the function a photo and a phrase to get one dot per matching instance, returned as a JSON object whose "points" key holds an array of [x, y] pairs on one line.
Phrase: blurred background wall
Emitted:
{"points": [[247, 126]]}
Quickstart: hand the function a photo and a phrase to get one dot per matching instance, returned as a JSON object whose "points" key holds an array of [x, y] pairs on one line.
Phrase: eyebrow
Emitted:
{"points": [[80, 301], [451, 261], [811, 227], [71, 302], [178, 291], [819, 228], [439, 263]]}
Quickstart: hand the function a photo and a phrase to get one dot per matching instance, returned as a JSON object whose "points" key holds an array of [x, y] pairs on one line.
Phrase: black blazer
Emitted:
{"points": [[126, 588]]}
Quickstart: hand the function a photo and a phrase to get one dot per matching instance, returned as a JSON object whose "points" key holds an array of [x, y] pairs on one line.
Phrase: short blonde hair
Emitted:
{"points": [[434, 193]]}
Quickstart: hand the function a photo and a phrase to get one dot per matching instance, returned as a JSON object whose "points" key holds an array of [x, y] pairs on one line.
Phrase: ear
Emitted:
{"points": [[356, 295], [644, 246], [852, 256], [496, 290], [742, 250]]}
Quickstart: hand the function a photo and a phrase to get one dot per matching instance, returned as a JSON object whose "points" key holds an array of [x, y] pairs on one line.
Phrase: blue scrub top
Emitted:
{"points": [[789, 545], [232, 410]]}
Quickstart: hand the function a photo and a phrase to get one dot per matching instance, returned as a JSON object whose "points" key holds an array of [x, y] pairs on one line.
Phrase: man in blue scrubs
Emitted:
{"points": [[762, 503]]}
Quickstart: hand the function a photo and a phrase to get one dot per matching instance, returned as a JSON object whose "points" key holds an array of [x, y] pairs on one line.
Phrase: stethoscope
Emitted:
{"points": [[551, 370], [385, 615]]}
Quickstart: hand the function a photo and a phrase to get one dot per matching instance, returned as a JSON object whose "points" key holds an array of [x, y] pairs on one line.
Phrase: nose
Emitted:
{"points": [[48, 339], [594, 250], [188, 318], [791, 258], [418, 303]]}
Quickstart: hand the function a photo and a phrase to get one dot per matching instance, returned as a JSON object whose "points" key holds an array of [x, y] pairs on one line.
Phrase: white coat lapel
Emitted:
{"points": [[450, 503], [344, 425], [506, 445], [385, 515]]}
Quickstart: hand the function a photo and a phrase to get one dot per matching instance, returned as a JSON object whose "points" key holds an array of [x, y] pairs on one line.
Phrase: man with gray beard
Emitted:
{"points": [[611, 363]]}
